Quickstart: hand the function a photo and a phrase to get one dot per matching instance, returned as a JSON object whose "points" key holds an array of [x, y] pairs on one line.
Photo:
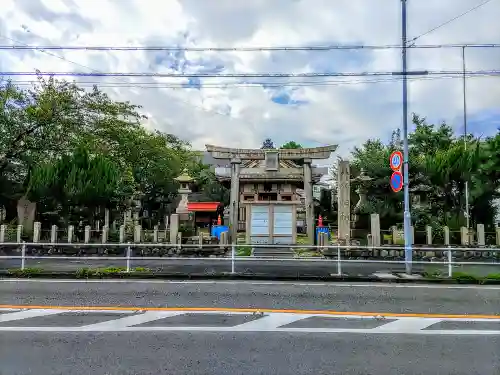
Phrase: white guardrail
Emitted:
{"points": [[449, 261]]}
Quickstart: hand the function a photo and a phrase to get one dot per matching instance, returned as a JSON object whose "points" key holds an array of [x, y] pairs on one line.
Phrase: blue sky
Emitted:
{"points": [[341, 113]]}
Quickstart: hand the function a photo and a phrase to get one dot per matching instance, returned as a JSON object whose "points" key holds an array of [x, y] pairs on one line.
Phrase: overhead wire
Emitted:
{"points": [[208, 85], [244, 49], [248, 75], [453, 19], [209, 111]]}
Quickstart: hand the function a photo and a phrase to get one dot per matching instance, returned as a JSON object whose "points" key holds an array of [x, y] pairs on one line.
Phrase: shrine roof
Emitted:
{"points": [[259, 154], [203, 206]]}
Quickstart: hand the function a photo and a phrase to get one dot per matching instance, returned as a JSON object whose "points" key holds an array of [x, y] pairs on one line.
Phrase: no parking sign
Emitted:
{"points": [[396, 161]]}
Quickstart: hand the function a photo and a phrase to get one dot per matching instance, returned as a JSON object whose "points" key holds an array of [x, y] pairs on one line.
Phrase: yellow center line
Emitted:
{"points": [[255, 310]]}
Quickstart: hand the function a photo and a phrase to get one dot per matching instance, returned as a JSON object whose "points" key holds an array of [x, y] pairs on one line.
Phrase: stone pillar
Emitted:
{"points": [[481, 238], [53, 234], [3, 228], [446, 236], [19, 233], [174, 228], [122, 234], [412, 235], [344, 200], [309, 203], [155, 233], [106, 217], [375, 230], [37, 228], [235, 198], [137, 233], [71, 230], [428, 233], [86, 234], [497, 232], [464, 236], [104, 234], [395, 234]]}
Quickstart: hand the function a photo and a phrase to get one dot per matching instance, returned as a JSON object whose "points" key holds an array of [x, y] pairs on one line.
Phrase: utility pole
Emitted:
{"points": [[464, 83], [406, 182]]}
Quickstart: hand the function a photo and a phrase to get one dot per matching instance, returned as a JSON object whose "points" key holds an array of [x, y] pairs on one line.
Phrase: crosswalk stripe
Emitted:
{"points": [[117, 324], [27, 314]]}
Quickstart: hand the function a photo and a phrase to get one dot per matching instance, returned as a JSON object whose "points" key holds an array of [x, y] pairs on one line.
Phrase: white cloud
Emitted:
{"points": [[345, 114]]}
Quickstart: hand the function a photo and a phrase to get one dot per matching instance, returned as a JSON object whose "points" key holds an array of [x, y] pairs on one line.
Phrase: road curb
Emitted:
{"points": [[243, 276]]}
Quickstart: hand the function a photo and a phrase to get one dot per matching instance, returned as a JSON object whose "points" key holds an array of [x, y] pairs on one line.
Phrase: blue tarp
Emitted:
{"points": [[218, 229], [322, 230]]}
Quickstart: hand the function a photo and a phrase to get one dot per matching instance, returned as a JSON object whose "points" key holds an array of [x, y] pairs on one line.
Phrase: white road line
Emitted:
{"points": [[231, 330], [270, 321], [407, 325], [255, 283], [28, 314], [118, 324]]}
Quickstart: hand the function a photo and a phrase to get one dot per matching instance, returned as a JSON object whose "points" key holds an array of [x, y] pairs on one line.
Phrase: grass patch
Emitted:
{"points": [[84, 273], [243, 251], [27, 272]]}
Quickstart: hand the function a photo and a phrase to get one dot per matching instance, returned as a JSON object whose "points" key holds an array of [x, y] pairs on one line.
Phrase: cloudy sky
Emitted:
{"points": [[238, 113]]}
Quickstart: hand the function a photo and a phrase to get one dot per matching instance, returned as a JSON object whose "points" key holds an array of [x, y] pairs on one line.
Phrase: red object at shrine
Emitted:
{"points": [[219, 220], [320, 221]]}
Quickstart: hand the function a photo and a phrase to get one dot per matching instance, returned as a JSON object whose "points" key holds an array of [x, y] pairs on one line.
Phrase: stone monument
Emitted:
{"points": [[26, 214], [344, 201]]}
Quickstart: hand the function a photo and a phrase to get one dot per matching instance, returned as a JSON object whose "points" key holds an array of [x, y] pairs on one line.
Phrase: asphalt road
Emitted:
{"points": [[270, 268], [188, 351]]}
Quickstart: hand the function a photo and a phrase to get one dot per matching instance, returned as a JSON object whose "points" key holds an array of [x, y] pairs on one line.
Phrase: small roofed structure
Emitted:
{"points": [[205, 214]]}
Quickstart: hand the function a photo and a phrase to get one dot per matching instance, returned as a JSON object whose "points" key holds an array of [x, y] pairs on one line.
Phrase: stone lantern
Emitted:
{"points": [[363, 180], [185, 181]]}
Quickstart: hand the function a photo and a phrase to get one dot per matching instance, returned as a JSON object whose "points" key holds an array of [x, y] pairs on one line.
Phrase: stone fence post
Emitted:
{"points": [[428, 234], [86, 234], [71, 230], [19, 233], [481, 238], [174, 228], [375, 230], [37, 228], [3, 229], [53, 234], [446, 236], [137, 233]]}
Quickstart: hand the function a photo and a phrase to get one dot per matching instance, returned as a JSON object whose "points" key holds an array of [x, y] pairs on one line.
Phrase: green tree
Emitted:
{"points": [[291, 145], [439, 166]]}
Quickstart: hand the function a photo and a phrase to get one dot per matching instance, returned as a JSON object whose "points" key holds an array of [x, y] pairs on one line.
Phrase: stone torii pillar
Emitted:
{"points": [[309, 205], [234, 198]]}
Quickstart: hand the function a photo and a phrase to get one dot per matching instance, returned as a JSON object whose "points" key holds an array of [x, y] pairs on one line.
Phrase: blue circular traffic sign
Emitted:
{"points": [[396, 160], [396, 182]]}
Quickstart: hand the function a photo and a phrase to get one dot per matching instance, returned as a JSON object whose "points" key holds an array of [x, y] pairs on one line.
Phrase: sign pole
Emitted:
{"points": [[407, 215]]}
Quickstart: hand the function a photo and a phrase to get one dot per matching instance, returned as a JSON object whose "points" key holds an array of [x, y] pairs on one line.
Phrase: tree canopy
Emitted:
{"points": [[75, 151], [66, 147], [440, 163]]}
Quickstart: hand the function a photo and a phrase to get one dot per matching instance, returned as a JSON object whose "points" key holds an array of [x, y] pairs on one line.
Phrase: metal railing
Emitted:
{"points": [[338, 254]]}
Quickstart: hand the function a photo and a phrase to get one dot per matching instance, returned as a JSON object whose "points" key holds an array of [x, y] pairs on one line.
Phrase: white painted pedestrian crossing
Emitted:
{"points": [[189, 320]]}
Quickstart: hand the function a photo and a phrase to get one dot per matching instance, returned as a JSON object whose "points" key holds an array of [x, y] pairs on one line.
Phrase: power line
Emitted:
{"points": [[210, 111], [159, 85], [247, 75], [242, 49], [451, 20], [222, 84]]}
